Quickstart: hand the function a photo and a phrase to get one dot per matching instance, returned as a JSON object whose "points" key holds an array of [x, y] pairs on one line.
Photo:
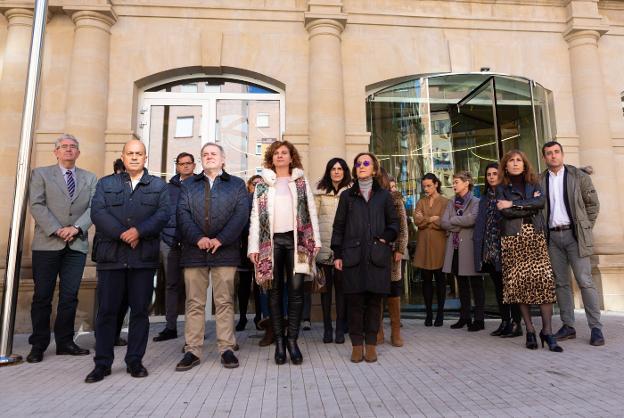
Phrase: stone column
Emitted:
{"points": [[12, 90], [325, 89], [592, 125], [87, 98]]}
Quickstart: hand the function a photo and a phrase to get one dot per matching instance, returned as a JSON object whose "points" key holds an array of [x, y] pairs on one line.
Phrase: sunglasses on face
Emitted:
{"points": [[365, 164]]}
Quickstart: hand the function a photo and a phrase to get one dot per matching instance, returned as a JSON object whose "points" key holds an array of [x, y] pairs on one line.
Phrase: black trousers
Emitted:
{"points": [[333, 279], [507, 311], [68, 265], [139, 283], [283, 268], [440, 280], [478, 293], [364, 317], [174, 282]]}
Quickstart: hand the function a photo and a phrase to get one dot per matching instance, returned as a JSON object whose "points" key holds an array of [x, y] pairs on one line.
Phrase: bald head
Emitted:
{"points": [[134, 156]]}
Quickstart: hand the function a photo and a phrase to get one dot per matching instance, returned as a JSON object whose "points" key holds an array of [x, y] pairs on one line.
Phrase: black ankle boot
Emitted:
{"points": [[429, 319], [514, 330], [477, 325], [439, 321], [551, 341], [501, 328], [328, 335], [531, 341], [461, 323], [280, 351], [293, 350]]}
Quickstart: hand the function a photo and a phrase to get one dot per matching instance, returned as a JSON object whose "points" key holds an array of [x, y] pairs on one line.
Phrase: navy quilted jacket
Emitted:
{"points": [[116, 208], [229, 213]]}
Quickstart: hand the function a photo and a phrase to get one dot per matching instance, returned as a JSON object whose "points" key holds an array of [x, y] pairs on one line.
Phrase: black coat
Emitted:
{"points": [[480, 232], [526, 207], [357, 228]]}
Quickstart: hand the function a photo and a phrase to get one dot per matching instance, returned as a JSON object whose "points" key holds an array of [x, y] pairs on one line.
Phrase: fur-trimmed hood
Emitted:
{"points": [[270, 177]]}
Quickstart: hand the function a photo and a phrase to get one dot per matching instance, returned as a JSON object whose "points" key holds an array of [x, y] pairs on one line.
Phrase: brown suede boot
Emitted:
{"points": [[380, 333], [357, 353], [394, 307], [268, 337], [371, 353]]}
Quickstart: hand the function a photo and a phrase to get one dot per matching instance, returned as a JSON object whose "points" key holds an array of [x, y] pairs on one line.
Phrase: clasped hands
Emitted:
{"points": [[67, 233], [130, 237], [209, 244]]}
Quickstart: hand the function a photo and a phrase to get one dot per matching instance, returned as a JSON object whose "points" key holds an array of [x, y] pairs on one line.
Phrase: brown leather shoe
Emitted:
{"points": [[394, 306], [371, 353], [357, 353]]}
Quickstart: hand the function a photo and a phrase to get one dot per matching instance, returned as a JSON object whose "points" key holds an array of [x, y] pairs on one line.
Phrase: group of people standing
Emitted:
{"points": [[278, 233]]}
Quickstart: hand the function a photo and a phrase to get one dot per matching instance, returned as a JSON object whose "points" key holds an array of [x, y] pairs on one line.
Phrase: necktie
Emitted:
{"points": [[71, 185]]}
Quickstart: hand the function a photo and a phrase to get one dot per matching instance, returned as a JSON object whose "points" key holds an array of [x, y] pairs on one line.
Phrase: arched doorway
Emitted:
{"points": [[179, 115], [444, 123]]}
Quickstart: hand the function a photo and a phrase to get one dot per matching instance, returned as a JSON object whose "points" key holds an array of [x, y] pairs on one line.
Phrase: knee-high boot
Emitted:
{"points": [[295, 311], [394, 307], [275, 307]]}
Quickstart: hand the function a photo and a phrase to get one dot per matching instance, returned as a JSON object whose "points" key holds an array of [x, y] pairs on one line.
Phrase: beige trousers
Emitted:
{"points": [[197, 280]]}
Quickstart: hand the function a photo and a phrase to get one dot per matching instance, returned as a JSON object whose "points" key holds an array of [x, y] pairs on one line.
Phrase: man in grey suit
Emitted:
{"points": [[60, 202]]}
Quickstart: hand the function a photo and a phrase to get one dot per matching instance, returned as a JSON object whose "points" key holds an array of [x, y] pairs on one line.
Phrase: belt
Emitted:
{"points": [[561, 228]]}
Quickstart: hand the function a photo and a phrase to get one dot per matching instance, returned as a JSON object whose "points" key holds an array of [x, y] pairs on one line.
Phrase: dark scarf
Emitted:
{"points": [[460, 206], [492, 243]]}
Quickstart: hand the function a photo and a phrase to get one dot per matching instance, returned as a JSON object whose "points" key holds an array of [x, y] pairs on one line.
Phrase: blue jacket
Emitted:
{"points": [[170, 234], [229, 213], [479, 234], [116, 208]]}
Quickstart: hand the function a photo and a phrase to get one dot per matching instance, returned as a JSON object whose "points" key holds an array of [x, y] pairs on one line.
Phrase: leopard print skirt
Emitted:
{"points": [[527, 273]]}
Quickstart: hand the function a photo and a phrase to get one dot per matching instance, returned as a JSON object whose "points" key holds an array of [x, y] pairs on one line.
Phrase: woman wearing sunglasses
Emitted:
{"points": [[365, 225]]}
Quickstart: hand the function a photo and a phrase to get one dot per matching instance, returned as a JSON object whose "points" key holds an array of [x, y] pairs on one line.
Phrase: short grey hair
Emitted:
{"points": [[212, 144], [63, 137]]}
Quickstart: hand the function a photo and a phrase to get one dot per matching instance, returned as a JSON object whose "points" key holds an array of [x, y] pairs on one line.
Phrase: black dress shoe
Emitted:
{"points": [[35, 356], [137, 370], [531, 341], [229, 360], [121, 342], [501, 328], [328, 335], [98, 374], [71, 349], [551, 341], [166, 334], [340, 338], [189, 361]]}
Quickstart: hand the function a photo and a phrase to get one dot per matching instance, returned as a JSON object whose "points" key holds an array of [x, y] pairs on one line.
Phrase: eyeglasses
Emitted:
{"points": [[184, 164], [366, 163]]}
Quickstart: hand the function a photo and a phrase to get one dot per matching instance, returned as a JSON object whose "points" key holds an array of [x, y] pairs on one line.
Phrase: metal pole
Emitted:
{"points": [[14, 244]]}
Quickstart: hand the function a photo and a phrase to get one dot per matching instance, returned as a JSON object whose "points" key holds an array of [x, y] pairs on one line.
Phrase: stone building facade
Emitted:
{"points": [[319, 60]]}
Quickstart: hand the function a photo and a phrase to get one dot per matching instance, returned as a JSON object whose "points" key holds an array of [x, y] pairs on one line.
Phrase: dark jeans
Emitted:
{"points": [[507, 311], [283, 267], [478, 292], [364, 317], [333, 278], [139, 283], [174, 283], [68, 265]]}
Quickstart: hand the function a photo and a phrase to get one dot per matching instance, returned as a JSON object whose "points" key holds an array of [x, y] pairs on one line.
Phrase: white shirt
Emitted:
{"points": [[558, 214], [211, 181], [283, 206]]}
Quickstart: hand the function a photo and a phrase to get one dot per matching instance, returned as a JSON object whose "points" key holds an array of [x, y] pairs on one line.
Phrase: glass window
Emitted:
{"points": [[189, 88], [258, 149], [262, 120], [211, 85], [184, 126]]}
